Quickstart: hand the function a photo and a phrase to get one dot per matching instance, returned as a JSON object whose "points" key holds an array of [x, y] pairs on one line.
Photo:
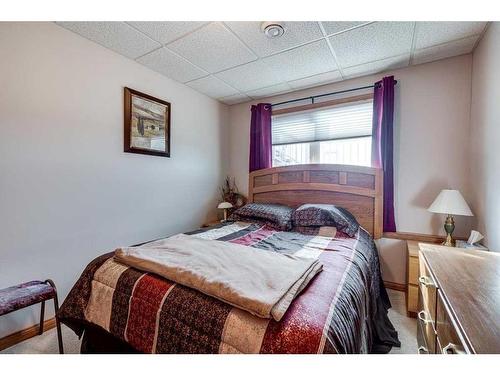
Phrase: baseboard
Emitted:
{"points": [[395, 286], [25, 334]]}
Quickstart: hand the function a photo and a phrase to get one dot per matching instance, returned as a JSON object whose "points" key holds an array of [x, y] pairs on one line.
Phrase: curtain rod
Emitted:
{"points": [[312, 98]]}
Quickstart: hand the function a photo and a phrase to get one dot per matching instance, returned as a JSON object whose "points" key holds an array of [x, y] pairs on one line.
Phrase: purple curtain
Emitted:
{"points": [[382, 143], [260, 137]]}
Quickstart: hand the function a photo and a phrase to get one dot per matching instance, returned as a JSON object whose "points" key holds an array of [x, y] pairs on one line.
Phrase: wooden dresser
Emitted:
{"points": [[459, 300]]}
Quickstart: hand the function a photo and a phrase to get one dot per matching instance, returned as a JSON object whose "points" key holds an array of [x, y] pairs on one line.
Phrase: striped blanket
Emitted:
{"points": [[343, 309]]}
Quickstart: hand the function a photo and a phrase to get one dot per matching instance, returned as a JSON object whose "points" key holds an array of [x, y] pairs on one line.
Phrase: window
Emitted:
{"points": [[340, 134]]}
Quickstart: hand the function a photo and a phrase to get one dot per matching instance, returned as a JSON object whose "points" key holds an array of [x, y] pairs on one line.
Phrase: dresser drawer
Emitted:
{"points": [[439, 347], [423, 348], [449, 340], [425, 329], [428, 290]]}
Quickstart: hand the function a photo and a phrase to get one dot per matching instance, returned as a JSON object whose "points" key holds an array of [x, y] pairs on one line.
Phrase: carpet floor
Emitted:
{"points": [[47, 343], [406, 327]]}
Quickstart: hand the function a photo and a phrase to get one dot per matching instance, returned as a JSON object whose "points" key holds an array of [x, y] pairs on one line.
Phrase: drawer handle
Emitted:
{"points": [[423, 350], [424, 281], [452, 349], [422, 317]]}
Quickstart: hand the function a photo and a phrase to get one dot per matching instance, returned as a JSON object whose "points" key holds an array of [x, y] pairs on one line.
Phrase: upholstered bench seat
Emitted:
{"points": [[24, 295]]}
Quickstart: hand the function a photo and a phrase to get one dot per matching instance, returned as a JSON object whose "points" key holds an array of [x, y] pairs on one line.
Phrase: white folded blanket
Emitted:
{"points": [[261, 282]]}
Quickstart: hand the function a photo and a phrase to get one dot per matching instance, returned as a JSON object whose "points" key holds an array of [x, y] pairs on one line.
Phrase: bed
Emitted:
{"points": [[120, 309]]}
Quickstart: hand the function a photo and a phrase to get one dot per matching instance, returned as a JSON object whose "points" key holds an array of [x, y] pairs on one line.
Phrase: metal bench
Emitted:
{"points": [[23, 295]]}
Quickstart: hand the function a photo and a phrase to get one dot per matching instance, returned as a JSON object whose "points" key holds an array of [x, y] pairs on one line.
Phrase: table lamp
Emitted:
{"points": [[450, 202], [225, 206]]}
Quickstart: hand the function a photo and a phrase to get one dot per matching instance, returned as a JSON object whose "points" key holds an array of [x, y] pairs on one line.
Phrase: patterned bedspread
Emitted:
{"points": [[343, 310]]}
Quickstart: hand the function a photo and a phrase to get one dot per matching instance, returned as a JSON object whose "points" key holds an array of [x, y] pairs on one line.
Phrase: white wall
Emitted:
{"points": [[68, 192], [485, 136], [431, 146]]}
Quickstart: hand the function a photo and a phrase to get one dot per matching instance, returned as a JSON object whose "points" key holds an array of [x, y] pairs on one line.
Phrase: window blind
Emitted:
{"points": [[324, 124]]}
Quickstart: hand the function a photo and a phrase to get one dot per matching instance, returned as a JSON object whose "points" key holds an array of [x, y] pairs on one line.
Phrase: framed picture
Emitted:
{"points": [[147, 124]]}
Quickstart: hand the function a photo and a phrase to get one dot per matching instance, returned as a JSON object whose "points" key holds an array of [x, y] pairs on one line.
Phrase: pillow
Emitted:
{"points": [[319, 215], [276, 216]]}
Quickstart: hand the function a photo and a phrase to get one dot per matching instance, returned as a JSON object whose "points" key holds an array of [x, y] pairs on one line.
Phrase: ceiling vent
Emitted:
{"points": [[272, 29]]}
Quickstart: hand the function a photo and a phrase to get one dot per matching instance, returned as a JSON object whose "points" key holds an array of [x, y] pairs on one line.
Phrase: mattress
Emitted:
{"points": [[342, 310]]}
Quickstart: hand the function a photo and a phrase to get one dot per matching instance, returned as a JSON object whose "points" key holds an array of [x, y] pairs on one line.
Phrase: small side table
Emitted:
{"points": [[412, 271], [23, 295], [211, 224]]}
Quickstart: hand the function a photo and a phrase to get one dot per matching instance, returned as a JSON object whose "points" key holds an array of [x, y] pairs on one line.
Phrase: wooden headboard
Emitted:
{"points": [[358, 189]]}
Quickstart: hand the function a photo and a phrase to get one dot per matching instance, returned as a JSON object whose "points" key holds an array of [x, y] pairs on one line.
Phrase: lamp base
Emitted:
{"points": [[449, 242], [449, 227]]}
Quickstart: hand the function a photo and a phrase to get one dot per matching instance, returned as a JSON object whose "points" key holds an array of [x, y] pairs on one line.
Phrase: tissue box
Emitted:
{"points": [[465, 245]]}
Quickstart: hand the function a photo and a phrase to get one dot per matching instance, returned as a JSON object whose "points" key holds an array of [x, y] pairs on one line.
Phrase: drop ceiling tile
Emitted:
{"points": [[316, 80], [213, 48], [431, 33], [377, 41], [443, 51], [168, 63], [377, 66], [269, 91], [165, 32], [337, 27], [117, 36], [213, 87], [301, 62], [235, 99], [251, 76], [296, 33]]}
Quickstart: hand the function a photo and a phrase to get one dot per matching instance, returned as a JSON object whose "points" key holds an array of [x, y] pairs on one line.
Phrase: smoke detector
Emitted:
{"points": [[272, 29]]}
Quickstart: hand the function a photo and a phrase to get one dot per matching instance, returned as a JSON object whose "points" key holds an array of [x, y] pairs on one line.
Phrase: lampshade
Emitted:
{"points": [[450, 202], [225, 205]]}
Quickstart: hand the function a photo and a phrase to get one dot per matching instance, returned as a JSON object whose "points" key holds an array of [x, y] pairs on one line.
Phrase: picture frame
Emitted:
{"points": [[146, 124]]}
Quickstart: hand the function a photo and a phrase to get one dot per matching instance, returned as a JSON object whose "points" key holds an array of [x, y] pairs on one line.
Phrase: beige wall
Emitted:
{"points": [[68, 192], [485, 136], [431, 146]]}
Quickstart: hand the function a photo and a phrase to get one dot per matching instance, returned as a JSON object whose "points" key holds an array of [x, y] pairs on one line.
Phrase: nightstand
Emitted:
{"points": [[211, 224], [412, 271]]}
